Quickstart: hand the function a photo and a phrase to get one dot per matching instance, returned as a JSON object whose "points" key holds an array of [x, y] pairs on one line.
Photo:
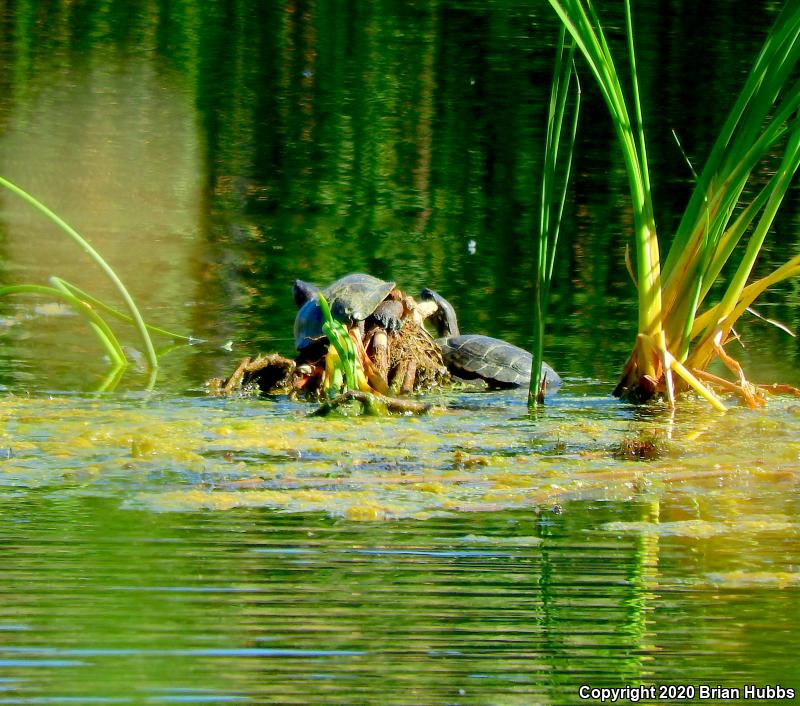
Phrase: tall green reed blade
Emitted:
{"points": [[139, 323], [747, 133], [555, 179], [115, 313], [582, 23], [778, 188]]}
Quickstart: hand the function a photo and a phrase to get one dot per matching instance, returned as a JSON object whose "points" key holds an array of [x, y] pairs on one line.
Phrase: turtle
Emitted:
{"points": [[352, 299], [474, 356]]}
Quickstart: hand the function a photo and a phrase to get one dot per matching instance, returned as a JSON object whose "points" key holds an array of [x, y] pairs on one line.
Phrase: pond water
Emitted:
{"points": [[163, 546]]}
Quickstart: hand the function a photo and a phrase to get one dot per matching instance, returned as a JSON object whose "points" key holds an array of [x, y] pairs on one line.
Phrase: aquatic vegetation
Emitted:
{"points": [[193, 453], [264, 373], [84, 303], [343, 368], [732, 205], [369, 402], [646, 445], [555, 179]]}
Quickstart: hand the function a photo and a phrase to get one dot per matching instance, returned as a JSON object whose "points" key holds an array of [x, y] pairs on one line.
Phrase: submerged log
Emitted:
{"points": [[371, 403], [265, 374]]}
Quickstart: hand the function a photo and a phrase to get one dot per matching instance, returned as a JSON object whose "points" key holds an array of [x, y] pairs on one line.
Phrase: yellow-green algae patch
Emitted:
{"points": [[184, 455], [355, 505], [705, 528]]}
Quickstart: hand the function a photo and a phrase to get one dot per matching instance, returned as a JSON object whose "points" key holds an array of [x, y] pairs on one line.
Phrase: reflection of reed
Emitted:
{"points": [[644, 587], [425, 107]]}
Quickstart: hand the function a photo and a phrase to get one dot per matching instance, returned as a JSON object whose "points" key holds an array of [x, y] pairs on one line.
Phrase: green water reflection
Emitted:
{"points": [[504, 608]]}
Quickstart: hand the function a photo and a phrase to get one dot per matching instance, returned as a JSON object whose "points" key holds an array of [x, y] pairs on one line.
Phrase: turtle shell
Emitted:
{"points": [[499, 363], [354, 297], [351, 298]]}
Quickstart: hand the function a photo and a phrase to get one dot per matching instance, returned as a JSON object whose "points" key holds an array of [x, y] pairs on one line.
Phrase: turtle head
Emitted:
{"points": [[343, 311], [303, 292], [444, 316]]}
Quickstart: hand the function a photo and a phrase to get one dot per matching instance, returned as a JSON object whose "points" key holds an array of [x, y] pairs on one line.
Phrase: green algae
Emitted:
{"points": [[181, 455], [706, 528]]}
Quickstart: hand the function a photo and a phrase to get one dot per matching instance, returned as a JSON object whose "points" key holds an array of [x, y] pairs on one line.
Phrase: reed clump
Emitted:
{"points": [[725, 224]]}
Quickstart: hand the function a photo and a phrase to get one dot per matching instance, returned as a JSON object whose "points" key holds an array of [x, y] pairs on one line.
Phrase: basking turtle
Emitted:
{"points": [[352, 299], [471, 356]]}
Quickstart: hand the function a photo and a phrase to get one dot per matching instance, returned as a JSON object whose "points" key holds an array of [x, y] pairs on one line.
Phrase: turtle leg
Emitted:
{"points": [[389, 315]]}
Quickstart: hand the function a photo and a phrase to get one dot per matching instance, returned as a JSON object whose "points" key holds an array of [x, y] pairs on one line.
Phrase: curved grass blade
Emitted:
{"points": [[98, 325], [120, 316], [112, 379], [582, 23], [91, 252]]}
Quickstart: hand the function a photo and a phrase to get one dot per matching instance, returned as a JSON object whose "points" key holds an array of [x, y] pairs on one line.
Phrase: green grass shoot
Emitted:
{"points": [[726, 220], [345, 362], [555, 179]]}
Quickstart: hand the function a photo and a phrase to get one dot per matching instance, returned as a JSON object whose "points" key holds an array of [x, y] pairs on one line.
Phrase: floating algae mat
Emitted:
{"points": [[473, 453]]}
